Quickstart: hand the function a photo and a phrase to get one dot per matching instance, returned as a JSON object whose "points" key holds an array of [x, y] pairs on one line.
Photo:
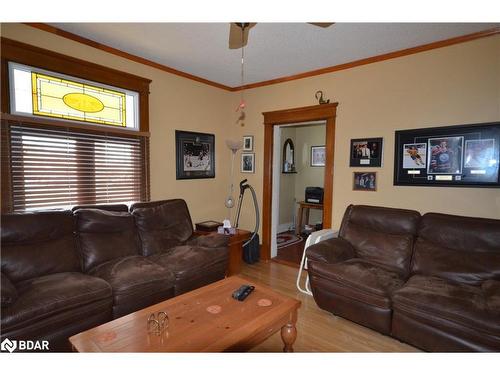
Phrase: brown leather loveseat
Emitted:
{"points": [[432, 281], [63, 272]]}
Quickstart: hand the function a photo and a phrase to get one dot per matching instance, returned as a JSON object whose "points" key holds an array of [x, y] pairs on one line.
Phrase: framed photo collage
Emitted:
{"points": [[464, 155]]}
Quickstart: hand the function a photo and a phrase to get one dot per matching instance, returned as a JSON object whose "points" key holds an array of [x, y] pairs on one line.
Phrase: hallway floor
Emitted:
{"points": [[290, 255]]}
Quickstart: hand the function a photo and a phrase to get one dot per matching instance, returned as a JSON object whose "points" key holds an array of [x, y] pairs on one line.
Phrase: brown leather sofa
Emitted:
{"points": [[63, 272], [432, 281]]}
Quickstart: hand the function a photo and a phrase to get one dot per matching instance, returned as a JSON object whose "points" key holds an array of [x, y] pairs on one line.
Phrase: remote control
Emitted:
{"points": [[242, 292]]}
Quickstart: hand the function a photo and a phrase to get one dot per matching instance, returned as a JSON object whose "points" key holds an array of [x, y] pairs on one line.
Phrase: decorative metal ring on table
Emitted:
{"points": [[157, 323]]}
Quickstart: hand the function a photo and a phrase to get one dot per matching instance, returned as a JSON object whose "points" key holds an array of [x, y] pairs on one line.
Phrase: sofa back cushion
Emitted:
{"points": [[37, 244], [458, 248], [381, 235], [105, 235], [162, 224], [106, 207]]}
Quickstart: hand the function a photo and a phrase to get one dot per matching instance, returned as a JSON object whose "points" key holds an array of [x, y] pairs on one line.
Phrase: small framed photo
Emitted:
{"points": [[318, 156], [366, 152], [248, 143], [364, 181], [247, 162], [414, 155]]}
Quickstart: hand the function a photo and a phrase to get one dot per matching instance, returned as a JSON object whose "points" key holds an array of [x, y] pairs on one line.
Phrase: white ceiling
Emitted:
{"points": [[274, 49]]}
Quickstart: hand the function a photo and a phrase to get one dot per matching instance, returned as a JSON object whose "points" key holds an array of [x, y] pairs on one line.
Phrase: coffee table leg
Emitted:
{"points": [[289, 333]]}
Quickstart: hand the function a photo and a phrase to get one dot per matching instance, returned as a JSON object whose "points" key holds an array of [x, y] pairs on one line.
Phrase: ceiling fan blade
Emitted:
{"points": [[322, 24], [235, 35]]}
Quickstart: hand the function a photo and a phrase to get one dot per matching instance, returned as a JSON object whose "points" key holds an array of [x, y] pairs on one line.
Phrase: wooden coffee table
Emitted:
{"points": [[196, 326]]}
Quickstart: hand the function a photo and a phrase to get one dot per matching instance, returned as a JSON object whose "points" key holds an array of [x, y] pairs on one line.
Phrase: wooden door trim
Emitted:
{"points": [[322, 112]]}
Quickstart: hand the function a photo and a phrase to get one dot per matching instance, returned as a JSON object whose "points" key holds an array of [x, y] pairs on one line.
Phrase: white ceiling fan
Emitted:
{"points": [[238, 32]]}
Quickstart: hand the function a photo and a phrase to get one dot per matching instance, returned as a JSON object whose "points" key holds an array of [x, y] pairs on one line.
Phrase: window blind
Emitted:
{"points": [[59, 168]]}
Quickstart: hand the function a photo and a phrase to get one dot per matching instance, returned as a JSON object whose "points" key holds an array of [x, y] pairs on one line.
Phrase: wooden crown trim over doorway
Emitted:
{"points": [[322, 112]]}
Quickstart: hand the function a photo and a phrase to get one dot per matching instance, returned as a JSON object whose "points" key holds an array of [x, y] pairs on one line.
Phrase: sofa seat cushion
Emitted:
{"points": [[136, 282], [60, 294], [358, 279], [211, 240], [436, 299], [193, 266]]}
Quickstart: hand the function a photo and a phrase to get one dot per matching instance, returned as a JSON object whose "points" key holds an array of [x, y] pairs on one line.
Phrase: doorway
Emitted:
{"points": [[272, 121], [298, 182]]}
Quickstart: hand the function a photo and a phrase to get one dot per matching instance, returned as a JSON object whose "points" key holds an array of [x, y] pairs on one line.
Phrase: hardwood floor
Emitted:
{"points": [[318, 330], [291, 255]]}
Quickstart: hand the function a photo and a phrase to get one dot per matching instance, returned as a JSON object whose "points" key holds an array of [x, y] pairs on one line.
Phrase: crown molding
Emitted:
{"points": [[374, 59], [126, 55], [312, 73]]}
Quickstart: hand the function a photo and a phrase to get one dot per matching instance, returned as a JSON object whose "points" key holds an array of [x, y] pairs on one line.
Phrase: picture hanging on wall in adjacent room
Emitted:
{"points": [[247, 162], [318, 156], [195, 155], [366, 152], [462, 155], [364, 181]]}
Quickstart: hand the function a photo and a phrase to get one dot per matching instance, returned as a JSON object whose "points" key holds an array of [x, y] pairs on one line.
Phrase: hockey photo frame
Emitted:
{"points": [[459, 155], [195, 155]]}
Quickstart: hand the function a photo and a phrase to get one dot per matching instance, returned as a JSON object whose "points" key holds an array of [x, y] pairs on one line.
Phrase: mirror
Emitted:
{"points": [[288, 157]]}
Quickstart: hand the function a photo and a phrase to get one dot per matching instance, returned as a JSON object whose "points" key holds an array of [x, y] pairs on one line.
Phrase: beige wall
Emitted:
{"points": [[175, 103], [459, 84], [307, 136], [287, 182]]}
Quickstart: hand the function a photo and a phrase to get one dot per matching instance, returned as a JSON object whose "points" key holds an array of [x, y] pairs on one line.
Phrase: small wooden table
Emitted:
{"points": [[238, 326], [236, 242], [305, 206]]}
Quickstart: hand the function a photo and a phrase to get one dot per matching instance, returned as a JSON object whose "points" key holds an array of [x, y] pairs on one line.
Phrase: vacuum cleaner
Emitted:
{"points": [[251, 248]]}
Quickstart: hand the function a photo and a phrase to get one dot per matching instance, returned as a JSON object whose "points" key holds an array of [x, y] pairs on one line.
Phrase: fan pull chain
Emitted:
{"points": [[242, 105]]}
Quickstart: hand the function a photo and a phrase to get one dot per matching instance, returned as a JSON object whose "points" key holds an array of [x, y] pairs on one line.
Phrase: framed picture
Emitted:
{"points": [[247, 162], [414, 155], [364, 181], [195, 155], [366, 152], [318, 156], [479, 152], [445, 155], [460, 155], [248, 143]]}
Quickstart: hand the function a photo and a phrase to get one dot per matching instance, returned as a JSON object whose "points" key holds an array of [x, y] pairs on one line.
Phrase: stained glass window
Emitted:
{"points": [[41, 93]]}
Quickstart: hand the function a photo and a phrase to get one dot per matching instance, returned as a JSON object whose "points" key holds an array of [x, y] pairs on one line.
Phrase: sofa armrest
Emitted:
{"points": [[333, 250], [211, 240], [8, 291]]}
